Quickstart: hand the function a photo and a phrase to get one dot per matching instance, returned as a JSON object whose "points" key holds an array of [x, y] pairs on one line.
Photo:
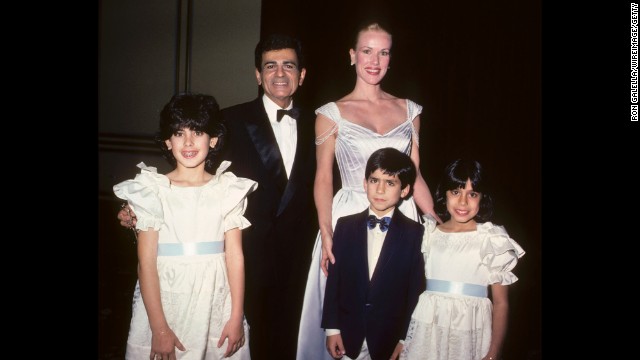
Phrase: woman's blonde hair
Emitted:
{"points": [[369, 26]]}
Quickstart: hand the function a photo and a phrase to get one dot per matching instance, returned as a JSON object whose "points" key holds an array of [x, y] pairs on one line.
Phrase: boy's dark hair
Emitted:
{"points": [[392, 162], [278, 42], [196, 112], [455, 177]]}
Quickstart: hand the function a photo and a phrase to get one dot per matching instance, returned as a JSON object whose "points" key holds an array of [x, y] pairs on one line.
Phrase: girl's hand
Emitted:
{"points": [[327, 254], [234, 331], [164, 344]]}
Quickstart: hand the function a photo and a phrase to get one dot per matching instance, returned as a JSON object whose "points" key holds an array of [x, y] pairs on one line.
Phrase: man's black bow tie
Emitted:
{"points": [[384, 222], [294, 112]]}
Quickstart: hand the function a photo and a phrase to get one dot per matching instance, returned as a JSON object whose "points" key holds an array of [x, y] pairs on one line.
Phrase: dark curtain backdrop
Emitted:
{"points": [[476, 69]]}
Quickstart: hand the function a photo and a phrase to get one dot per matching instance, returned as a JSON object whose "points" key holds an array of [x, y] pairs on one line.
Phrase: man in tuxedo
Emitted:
{"points": [[374, 285], [277, 150]]}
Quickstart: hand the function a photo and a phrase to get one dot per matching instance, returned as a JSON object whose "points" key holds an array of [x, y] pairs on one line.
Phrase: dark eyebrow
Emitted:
{"points": [[286, 62]]}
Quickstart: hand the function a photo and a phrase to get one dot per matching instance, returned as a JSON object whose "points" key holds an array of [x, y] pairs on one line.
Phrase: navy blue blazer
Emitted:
{"points": [[378, 310]]}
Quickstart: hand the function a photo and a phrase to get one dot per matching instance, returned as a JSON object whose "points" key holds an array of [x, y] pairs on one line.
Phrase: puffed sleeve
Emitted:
{"points": [[414, 109], [331, 111], [499, 253], [429, 223], [236, 191], [142, 194]]}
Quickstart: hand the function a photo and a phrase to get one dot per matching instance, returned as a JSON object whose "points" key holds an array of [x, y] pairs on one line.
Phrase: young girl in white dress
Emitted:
{"points": [[455, 319], [190, 289]]}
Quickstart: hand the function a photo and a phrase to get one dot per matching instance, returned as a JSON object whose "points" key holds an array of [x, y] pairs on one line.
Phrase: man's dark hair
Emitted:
{"points": [[278, 42]]}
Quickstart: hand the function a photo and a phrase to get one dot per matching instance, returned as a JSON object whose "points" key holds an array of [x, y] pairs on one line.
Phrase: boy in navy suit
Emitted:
{"points": [[378, 274]]}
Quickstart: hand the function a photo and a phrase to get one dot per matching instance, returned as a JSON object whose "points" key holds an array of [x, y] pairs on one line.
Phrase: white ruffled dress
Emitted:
{"points": [[452, 326], [194, 288]]}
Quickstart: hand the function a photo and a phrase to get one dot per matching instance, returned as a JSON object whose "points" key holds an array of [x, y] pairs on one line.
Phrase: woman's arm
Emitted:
{"points": [[421, 193], [500, 299], [323, 188], [234, 329], [163, 340]]}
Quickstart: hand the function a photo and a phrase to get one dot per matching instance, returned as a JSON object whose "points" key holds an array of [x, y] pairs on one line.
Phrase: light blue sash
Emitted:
{"points": [[195, 248], [454, 287]]}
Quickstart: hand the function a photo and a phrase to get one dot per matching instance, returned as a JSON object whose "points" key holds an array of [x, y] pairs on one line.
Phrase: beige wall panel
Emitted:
{"points": [[137, 64], [224, 36]]}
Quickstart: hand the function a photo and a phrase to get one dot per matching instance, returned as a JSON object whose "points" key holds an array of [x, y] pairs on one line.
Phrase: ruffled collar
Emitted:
{"points": [[224, 165], [163, 180], [488, 228], [152, 171]]}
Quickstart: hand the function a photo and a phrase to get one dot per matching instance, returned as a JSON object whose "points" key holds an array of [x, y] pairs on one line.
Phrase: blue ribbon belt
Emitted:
{"points": [[454, 287], [195, 248]]}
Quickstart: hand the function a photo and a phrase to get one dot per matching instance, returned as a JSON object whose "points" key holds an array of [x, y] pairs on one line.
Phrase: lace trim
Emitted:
{"points": [[324, 136], [429, 341], [416, 136]]}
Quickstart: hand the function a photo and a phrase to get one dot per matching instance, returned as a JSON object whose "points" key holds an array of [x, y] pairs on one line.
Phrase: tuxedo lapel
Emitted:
{"points": [[361, 236], [298, 165], [356, 236], [261, 134]]}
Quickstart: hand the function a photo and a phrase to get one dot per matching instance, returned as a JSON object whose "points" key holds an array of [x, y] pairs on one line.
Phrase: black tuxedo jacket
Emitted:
{"points": [[278, 244], [378, 309]]}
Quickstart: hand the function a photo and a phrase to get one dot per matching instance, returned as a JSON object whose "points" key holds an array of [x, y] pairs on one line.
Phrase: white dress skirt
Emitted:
{"points": [[453, 317], [192, 272]]}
